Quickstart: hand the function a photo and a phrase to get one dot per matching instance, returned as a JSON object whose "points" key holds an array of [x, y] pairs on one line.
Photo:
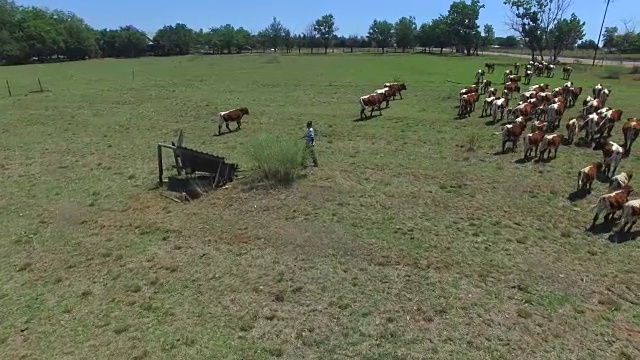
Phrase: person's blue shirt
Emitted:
{"points": [[310, 136]]}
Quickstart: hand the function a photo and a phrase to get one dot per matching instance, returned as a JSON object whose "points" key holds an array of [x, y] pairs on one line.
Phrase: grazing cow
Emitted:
{"points": [[612, 154], [491, 67], [373, 101], [528, 75], [479, 76], [387, 95], [538, 125], [550, 142], [516, 68], [566, 72], [486, 84], [573, 128], [235, 115], [550, 68], [524, 110], [511, 133], [592, 106], [499, 105], [396, 89], [532, 141], [630, 132], [573, 95], [610, 204], [506, 75], [487, 105], [629, 216], [587, 175], [620, 180]]}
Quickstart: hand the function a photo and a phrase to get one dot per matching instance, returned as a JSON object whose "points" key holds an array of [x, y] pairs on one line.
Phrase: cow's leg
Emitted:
{"points": [[631, 225], [219, 129], [387, 103], [555, 152], [226, 124], [595, 219], [504, 145], [380, 109], [238, 124], [615, 168], [400, 94], [362, 113]]}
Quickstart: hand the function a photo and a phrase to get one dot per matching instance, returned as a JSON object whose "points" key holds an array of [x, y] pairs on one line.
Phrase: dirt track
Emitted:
{"points": [[569, 59]]}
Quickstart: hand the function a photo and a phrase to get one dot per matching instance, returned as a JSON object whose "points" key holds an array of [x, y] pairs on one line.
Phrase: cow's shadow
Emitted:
{"points": [[226, 132], [602, 178], [461, 117], [578, 195], [603, 227], [358, 119], [621, 238], [491, 123]]}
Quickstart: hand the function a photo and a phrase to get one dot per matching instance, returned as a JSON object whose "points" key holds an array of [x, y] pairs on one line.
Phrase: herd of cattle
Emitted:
{"points": [[541, 109]]}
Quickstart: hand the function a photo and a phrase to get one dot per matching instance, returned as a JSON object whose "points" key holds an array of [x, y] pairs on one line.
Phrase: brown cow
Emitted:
{"points": [[467, 104], [629, 216], [235, 115], [630, 132], [491, 67], [516, 68], [532, 141], [612, 116], [550, 142], [566, 72], [397, 89], [511, 88], [514, 78], [486, 84], [620, 180], [587, 175], [612, 154], [373, 101], [610, 204]]}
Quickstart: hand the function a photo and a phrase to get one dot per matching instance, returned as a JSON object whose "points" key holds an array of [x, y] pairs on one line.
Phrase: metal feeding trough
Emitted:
{"points": [[197, 170]]}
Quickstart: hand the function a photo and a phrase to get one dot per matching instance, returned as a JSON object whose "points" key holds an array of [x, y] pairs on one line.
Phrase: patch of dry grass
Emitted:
{"points": [[403, 243]]}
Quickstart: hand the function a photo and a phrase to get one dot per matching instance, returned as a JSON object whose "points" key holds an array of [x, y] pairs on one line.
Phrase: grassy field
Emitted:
{"points": [[403, 244]]}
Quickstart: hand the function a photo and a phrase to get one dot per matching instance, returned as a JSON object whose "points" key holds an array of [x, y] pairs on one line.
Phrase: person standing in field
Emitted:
{"points": [[310, 140]]}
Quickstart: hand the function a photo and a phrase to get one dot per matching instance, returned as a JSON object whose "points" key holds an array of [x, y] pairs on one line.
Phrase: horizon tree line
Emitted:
{"points": [[33, 34]]}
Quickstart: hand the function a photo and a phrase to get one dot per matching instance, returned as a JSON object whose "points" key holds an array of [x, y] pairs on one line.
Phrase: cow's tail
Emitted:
{"points": [[581, 178], [221, 118]]}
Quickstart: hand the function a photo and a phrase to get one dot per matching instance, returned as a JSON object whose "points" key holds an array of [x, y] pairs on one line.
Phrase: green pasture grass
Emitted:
{"points": [[586, 56], [403, 244]]}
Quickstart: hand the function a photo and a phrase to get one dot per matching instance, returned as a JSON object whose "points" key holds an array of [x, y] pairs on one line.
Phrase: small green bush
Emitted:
{"points": [[276, 159], [611, 74], [635, 69]]}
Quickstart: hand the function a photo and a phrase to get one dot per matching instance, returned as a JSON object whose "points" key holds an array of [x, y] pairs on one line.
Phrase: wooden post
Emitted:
{"points": [[9, 88], [133, 74], [40, 84], [160, 167]]}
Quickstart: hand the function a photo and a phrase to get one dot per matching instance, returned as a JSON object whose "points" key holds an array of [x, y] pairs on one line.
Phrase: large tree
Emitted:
{"points": [[565, 35], [174, 40], [325, 28], [488, 36], [463, 24], [405, 30], [532, 20], [275, 33], [381, 33]]}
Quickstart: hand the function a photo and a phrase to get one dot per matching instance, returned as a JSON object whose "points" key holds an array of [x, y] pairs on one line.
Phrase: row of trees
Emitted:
{"points": [[31, 33]]}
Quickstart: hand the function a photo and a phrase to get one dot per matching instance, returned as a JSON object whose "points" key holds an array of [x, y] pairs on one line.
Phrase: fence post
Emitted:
{"points": [[9, 88], [40, 84]]}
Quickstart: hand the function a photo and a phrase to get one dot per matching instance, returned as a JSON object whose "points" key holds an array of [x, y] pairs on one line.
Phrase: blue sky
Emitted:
{"points": [[352, 17]]}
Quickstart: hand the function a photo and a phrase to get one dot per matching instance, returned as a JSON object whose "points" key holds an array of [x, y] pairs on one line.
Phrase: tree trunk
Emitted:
{"points": [[325, 49], [441, 49], [533, 54]]}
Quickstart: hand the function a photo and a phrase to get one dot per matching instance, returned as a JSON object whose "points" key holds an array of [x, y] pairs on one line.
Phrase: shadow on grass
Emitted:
{"points": [[621, 238], [522, 160], [604, 227], [602, 178], [226, 132], [366, 118], [578, 195], [491, 122]]}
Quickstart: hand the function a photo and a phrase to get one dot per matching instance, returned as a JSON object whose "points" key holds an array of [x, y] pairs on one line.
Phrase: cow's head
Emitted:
{"points": [[600, 144], [403, 86], [244, 110], [599, 165]]}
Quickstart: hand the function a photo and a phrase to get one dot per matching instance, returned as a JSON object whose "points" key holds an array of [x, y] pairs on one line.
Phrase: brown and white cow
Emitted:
{"points": [[612, 116], [528, 75], [372, 101], [396, 88], [612, 154], [506, 75], [235, 115], [573, 128], [516, 68], [587, 175], [566, 72], [630, 215], [486, 84], [499, 105], [512, 87], [620, 180], [479, 76], [595, 92], [532, 141], [511, 133], [468, 104], [487, 105], [550, 142], [593, 124], [572, 95], [514, 78], [387, 93], [630, 132], [610, 204]]}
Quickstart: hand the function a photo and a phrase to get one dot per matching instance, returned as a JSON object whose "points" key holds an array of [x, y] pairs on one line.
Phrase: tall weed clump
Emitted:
{"points": [[276, 159]]}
